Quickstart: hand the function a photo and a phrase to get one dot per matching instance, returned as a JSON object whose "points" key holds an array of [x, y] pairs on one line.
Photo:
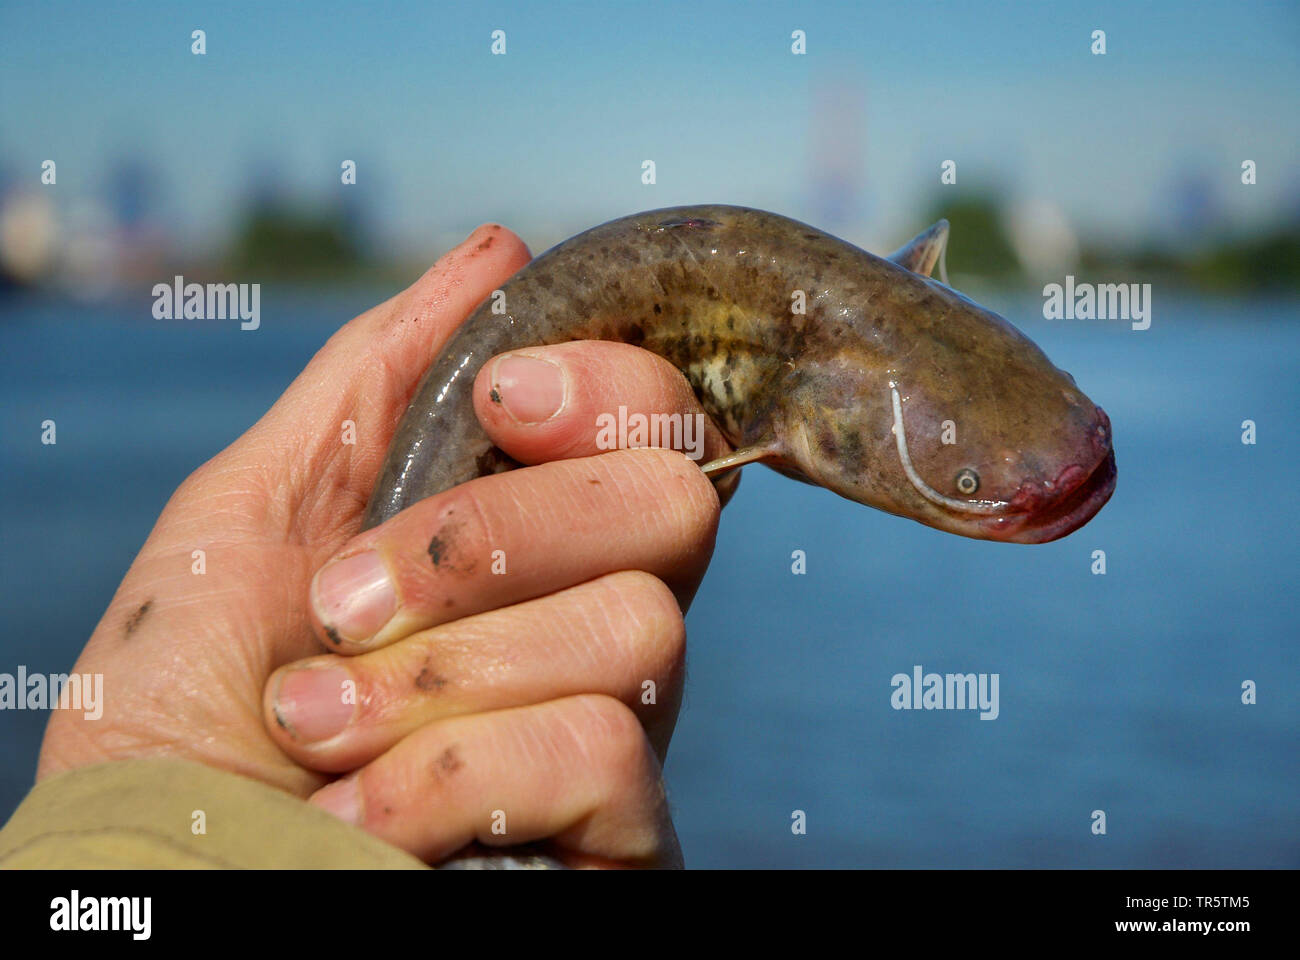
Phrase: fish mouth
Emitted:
{"points": [[1065, 514]]}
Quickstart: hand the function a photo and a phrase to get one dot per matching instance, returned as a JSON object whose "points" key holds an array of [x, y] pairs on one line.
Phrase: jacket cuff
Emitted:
{"points": [[164, 813]]}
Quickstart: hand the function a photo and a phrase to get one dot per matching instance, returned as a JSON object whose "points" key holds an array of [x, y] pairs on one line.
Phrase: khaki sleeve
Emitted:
{"points": [[143, 814]]}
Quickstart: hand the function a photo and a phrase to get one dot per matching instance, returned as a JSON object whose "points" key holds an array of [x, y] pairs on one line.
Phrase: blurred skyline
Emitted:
{"points": [[170, 149]]}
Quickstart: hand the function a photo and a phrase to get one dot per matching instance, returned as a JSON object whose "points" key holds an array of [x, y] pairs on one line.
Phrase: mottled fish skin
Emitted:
{"points": [[711, 289]]}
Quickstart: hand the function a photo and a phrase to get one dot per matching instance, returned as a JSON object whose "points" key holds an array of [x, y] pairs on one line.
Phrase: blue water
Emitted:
{"points": [[1118, 692]]}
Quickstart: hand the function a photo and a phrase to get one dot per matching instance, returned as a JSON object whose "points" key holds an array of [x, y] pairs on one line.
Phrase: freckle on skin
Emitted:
{"points": [[447, 763], [134, 620], [429, 679]]}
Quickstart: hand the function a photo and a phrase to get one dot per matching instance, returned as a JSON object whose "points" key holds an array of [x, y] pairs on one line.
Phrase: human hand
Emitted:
{"points": [[532, 708]]}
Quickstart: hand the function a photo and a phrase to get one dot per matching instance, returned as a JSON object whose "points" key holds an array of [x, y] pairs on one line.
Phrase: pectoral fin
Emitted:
{"points": [[924, 251]]}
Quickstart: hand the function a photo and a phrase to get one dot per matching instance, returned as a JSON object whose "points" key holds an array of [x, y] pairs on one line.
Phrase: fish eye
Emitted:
{"points": [[968, 481]]}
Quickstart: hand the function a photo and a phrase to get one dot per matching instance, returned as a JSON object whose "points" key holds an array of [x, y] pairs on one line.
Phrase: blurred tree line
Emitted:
{"points": [[276, 240], [981, 245]]}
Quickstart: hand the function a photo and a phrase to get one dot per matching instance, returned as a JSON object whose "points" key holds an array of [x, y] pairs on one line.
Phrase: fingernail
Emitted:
{"points": [[531, 390], [341, 798], [354, 597], [311, 702]]}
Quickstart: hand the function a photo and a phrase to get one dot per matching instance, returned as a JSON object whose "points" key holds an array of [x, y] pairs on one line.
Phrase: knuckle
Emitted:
{"points": [[614, 738], [700, 498], [649, 603], [679, 503], [678, 480], [653, 381]]}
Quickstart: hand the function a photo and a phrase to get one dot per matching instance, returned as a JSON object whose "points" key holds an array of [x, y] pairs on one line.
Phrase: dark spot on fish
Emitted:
{"points": [[850, 445], [437, 549], [658, 309], [448, 762], [731, 321], [134, 620], [494, 396], [333, 635], [713, 293]]}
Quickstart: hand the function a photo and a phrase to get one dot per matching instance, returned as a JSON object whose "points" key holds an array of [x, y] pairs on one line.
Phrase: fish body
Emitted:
{"points": [[837, 367]]}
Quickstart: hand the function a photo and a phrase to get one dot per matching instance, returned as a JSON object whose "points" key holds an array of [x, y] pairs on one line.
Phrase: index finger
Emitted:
{"points": [[316, 453]]}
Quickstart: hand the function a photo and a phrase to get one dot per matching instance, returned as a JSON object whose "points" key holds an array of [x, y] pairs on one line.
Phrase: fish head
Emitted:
{"points": [[940, 410]]}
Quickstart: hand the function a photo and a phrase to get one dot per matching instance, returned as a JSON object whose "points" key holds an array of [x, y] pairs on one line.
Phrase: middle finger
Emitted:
{"points": [[621, 635]]}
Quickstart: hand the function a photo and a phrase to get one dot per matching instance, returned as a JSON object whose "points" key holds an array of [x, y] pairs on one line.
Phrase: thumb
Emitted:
{"points": [[585, 397]]}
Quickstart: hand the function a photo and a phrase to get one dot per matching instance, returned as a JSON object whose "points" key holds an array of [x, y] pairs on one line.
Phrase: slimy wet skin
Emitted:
{"points": [[843, 369]]}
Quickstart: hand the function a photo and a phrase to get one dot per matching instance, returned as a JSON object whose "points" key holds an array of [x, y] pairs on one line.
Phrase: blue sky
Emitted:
{"points": [[550, 138]]}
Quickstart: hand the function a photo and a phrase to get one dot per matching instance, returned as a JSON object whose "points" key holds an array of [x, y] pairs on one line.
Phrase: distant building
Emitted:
{"points": [[837, 145]]}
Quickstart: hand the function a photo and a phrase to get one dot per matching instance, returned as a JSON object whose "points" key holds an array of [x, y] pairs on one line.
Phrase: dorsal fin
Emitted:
{"points": [[923, 251]]}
